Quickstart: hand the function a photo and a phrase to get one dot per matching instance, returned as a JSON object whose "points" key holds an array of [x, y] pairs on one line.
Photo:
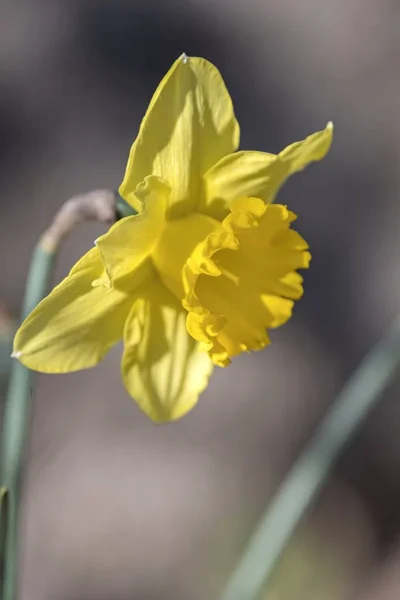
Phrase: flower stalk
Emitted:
{"points": [[99, 205], [16, 415], [300, 487]]}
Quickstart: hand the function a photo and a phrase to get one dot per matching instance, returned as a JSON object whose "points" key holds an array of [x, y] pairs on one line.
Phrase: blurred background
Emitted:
{"points": [[115, 507]]}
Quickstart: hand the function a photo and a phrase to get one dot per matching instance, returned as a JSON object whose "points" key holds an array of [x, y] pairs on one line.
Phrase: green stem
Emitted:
{"points": [[16, 413], [17, 407], [122, 208], [312, 468]]}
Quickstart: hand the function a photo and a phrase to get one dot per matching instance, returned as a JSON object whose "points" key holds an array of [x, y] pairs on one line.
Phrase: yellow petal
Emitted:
{"points": [[188, 127], [240, 174], [162, 367], [300, 154], [245, 174], [73, 327], [91, 261], [130, 241]]}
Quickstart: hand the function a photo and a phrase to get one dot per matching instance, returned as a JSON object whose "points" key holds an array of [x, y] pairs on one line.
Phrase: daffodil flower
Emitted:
{"points": [[203, 270]]}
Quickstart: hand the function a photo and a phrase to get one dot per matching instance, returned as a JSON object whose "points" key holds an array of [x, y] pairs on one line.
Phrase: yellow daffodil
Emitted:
{"points": [[203, 270]]}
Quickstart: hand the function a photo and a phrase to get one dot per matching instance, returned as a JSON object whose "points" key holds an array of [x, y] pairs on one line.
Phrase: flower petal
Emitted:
{"points": [[299, 155], [163, 368], [130, 241], [242, 174], [188, 127], [258, 174], [75, 326]]}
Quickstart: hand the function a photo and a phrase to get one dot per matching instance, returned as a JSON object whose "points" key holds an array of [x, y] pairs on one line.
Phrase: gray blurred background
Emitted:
{"points": [[116, 508]]}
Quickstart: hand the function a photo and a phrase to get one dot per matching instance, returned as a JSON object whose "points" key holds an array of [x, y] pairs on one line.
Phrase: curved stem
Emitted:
{"points": [[16, 414], [308, 474], [99, 205]]}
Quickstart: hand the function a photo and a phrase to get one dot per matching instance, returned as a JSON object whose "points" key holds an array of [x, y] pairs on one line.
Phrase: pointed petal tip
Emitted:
{"points": [[184, 58], [16, 354]]}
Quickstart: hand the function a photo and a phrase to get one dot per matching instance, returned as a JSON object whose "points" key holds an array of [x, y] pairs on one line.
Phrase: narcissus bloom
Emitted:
{"points": [[203, 270]]}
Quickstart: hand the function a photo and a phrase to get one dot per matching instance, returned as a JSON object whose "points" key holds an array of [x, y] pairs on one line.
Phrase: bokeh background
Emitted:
{"points": [[115, 507]]}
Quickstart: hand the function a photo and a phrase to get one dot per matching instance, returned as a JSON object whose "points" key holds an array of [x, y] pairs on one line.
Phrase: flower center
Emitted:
{"points": [[176, 244], [241, 279]]}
